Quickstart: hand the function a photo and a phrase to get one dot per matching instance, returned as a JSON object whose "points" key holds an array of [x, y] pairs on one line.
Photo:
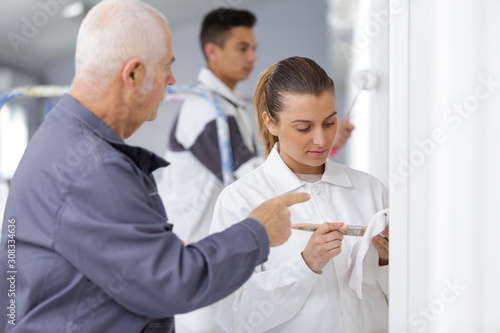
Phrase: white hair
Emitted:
{"points": [[112, 33]]}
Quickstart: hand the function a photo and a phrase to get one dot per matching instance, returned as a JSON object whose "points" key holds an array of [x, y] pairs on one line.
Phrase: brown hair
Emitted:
{"points": [[295, 76]]}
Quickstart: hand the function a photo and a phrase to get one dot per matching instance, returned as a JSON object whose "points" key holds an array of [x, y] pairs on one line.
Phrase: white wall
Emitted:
{"points": [[444, 155], [368, 50]]}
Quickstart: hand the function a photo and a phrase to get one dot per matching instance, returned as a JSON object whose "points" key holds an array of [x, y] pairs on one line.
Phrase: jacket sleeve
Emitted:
{"points": [[269, 298], [110, 231], [195, 131]]}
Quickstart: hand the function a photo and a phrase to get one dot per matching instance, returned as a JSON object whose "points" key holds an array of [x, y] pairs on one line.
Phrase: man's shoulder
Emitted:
{"points": [[197, 103], [196, 110], [70, 148]]}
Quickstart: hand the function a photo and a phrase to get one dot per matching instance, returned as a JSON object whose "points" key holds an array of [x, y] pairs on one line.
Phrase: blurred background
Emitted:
{"points": [[425, 78], [37, 47], [38, 41]]}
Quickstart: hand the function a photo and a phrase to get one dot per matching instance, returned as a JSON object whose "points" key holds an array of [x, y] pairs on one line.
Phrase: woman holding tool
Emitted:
{"points": [[301, 287]]}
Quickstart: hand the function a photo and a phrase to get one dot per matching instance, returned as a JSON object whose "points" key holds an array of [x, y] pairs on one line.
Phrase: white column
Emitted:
{"points": [[398, 157], [444, 164]]}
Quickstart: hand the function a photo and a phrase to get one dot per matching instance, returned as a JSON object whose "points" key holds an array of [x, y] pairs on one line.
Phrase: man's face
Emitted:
{"points": [[234, 61], [163, 77]]}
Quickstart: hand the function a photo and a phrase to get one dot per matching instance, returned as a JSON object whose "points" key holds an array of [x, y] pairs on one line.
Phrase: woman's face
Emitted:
{"points": [[306, 128]]}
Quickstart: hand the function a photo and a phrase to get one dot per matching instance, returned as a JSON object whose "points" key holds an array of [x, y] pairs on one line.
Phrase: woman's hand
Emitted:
{"points": [[325, 243], [382, 245]]}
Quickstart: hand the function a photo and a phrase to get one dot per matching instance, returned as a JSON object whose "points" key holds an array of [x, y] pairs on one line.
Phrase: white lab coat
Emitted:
{"points": [[284, 295]]}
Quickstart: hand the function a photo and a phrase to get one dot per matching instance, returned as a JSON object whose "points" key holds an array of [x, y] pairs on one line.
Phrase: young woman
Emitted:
{"points": [[301, 286]]}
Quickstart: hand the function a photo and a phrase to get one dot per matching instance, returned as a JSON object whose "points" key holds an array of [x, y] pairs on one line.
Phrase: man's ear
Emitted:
{"points": [[134, 73], [269, 123], [210, 50]]}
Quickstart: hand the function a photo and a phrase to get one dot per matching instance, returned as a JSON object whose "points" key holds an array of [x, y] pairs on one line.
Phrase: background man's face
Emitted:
{"points": [[234, 61]]}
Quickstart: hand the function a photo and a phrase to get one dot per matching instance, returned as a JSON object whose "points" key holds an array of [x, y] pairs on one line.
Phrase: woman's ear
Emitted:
{"points": [[269, 123]]}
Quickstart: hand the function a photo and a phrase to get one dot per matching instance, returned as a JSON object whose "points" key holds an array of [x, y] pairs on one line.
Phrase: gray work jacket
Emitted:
{"points": [[85, 243]]}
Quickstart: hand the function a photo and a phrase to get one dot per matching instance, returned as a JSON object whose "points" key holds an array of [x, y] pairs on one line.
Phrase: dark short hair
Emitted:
{"points": [[217, 24]]}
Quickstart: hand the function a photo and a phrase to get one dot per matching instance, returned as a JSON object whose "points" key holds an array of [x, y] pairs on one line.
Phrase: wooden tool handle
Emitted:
{"points": [[344, 229], [305, 226]]}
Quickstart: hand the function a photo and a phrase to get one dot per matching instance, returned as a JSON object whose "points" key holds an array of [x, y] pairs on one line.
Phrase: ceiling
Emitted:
{"points": [[34, 33]]}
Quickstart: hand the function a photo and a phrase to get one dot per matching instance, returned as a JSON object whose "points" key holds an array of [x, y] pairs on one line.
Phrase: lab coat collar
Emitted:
{"points": [[335, 174], [211, 82], [288, 182], [146, 160]]}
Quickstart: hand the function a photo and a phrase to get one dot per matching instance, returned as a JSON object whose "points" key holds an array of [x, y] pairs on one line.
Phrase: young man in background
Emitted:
{"points": [[191, 184]]}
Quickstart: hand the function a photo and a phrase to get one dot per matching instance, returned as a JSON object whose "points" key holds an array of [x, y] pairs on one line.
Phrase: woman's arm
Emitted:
{"points": [[269, 298]]}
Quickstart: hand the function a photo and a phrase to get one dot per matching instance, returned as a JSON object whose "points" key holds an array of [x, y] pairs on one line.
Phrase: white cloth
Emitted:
{"points": [[283, 294], [363, 260]]}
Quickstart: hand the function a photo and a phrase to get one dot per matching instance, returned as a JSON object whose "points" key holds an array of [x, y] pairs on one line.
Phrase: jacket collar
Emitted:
{"points": [[146, 160], [288, 182], [211, 82]]}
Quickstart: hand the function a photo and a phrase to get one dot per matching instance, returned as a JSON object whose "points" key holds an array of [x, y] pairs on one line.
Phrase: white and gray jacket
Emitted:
{"points": [[191, 184]]}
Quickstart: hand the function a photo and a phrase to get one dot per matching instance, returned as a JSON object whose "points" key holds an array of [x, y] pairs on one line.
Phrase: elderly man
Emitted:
{"points": [[85, 241]]}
